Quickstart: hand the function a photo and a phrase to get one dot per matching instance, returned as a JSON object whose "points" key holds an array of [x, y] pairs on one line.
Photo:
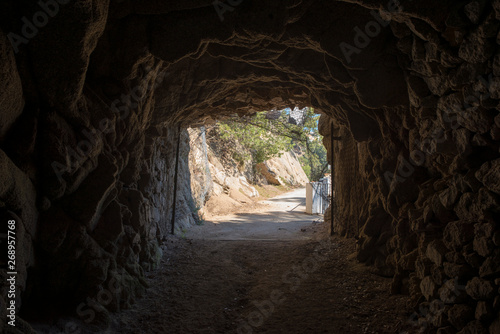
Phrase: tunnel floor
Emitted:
{"points": [[301, 282]]}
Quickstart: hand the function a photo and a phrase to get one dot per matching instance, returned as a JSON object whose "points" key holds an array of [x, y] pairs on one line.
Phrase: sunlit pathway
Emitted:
{"points": [[280, 218]]}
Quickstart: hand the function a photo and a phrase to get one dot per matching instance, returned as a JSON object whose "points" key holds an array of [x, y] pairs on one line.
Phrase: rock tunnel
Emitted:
{"points": [[94, 95]]}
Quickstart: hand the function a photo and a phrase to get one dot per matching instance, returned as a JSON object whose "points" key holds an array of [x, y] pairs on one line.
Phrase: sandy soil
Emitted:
{"points": [[275, 270], [280, 218]]}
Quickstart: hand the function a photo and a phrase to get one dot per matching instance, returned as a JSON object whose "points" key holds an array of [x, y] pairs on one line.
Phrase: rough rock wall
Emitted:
{"points": [[86, 175], [122, 236], [214, 172], [421, 196], [94, 86], [158, 178], [202, 184], [285, 170]]}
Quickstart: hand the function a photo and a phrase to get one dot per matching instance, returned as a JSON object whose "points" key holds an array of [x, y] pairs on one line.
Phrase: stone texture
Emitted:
{"points": [[474, 327], [436, 251], [18, 199], [461, 271], [446, 330], [484, 311], [495, 326], [451, 292], [489, 175], [458, 234], [490, 268], [480, 289], [11, 91], [459, 315], [428, 288], [287, 169], [473, 10]]}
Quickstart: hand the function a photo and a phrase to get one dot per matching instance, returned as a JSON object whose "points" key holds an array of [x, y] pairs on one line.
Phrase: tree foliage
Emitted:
{"points": [[256, 135], [268, 134]]}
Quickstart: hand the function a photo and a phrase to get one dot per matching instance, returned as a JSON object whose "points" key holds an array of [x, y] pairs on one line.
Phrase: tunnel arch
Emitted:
{"points": [[92, 107]]}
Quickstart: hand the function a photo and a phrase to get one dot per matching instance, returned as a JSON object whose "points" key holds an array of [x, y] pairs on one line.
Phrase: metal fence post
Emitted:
{"points": [[175, 178], [331, 177]]}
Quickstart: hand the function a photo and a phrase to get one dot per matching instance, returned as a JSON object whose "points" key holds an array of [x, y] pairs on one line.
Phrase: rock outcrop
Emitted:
{"points": [[283, 170], [217, 177], [93, 94]]}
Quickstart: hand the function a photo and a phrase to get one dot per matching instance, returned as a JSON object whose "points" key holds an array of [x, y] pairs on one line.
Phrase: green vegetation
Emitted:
{"points": [[183, 233], [267, 134], [314, 162], [256, 135]]}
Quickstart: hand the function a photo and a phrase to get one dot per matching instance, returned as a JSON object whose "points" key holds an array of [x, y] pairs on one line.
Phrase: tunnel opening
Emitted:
{"points": [[240, 162]]}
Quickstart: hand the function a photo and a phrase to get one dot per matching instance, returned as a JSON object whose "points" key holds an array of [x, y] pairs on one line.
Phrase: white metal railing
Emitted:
{"points": [[318, 196]]}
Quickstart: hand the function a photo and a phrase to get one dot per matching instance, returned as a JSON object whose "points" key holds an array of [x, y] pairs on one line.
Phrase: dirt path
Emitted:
{"points": [[274, 271], [280, 218]]}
